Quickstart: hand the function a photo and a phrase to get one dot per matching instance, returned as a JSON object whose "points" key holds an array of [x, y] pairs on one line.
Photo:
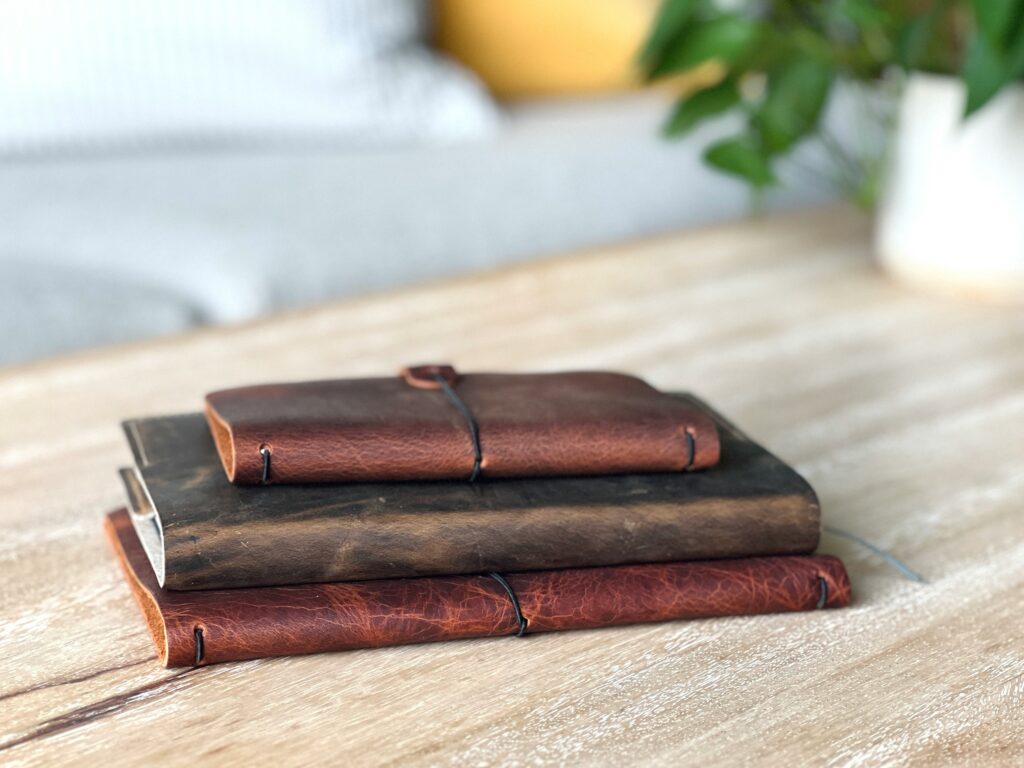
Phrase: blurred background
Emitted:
{"points": [[166, 165]]}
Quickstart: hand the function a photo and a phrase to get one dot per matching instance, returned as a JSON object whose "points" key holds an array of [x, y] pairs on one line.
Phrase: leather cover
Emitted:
{"points": [[203, 532], [191, 628], [408, 427]]}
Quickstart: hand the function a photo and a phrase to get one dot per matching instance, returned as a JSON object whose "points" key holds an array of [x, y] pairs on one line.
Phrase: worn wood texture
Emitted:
{"points": [[905, 412]]}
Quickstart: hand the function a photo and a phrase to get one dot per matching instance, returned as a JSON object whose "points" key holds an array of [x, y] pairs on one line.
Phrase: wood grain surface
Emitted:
{"points": [[906, 412]]}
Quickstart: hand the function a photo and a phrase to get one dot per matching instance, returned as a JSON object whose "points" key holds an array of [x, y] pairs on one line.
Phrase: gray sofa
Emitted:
{"points": [[103, 248]]}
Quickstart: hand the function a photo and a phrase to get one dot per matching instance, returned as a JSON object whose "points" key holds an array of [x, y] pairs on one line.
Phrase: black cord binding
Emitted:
{"points": [[463, 409], [515, 602], [892, 560], [823, 592], [200, 647], [265, 453]]}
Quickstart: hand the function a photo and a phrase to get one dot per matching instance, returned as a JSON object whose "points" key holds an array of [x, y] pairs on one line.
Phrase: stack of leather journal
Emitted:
{"points": [[332, 515]]}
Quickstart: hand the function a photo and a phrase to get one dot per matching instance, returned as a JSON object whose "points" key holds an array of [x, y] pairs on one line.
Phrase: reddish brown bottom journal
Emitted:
{"points": [[205, 627]]}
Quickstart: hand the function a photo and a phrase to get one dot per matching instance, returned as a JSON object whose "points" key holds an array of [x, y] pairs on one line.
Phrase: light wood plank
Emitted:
{"points": [[906, 412]]}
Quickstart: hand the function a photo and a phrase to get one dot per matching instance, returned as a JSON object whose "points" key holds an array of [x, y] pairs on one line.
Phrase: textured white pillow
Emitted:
{"points": [[111, 74]]}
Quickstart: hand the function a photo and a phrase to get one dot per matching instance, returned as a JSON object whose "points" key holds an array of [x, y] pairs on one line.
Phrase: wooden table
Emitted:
{"points": [[906, 412]]}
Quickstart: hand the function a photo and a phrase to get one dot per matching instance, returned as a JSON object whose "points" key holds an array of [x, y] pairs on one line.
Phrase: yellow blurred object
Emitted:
{"points": [[523, 48]]}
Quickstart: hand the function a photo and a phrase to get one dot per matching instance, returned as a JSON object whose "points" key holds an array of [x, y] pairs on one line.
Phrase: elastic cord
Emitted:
{"points": [[515, 602], [467, 414]]}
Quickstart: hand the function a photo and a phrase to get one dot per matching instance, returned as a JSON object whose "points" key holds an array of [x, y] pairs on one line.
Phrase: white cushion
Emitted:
{"points": [[111, 74]]}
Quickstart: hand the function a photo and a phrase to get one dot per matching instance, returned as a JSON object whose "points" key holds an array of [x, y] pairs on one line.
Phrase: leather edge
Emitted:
{"points": [[144, 596], [223, 438]]}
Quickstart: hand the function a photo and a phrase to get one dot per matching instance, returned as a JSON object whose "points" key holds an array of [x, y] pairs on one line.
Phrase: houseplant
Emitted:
{"points": [[950, 193]]}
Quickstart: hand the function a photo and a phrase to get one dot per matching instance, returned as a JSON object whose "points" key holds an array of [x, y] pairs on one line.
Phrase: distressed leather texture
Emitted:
{"points": [[250, 623], [214, 534], [407, 428]]}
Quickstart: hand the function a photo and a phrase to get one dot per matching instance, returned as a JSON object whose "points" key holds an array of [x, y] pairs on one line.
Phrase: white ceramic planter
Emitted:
{"points": [[952, 215]]}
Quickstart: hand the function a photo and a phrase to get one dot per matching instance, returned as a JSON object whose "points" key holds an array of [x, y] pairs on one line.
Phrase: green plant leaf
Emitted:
{"points": [[669, 22], [1015, 47], [985, 73], [863, 12], [1017, 59], [741, 157], [725, 38], [917, 35], [797, 92], [701, 105], [913, 40], [998, 21]]}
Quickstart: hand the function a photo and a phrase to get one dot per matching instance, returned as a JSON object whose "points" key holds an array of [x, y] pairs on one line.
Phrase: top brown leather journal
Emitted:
{"points": [[432, 423]]}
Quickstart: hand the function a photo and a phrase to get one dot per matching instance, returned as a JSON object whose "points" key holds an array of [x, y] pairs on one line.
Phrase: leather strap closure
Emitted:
{"points": [[444, 377], [426, 376]]}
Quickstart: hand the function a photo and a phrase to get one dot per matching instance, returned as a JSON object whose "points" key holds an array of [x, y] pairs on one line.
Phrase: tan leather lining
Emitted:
{"points": [[225, 441]]}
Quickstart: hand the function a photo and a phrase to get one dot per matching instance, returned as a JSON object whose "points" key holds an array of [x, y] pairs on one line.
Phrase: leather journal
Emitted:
{"points": [[432, 423], [205, 627], [201, 532]]}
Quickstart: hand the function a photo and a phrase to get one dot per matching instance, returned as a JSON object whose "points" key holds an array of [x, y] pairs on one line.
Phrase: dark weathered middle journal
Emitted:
{"points": [[202, 532]]}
